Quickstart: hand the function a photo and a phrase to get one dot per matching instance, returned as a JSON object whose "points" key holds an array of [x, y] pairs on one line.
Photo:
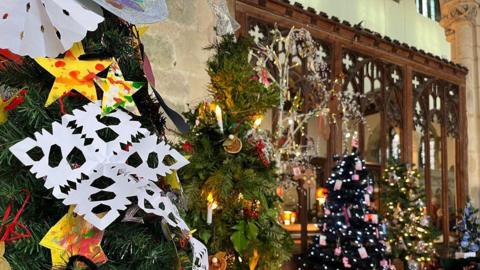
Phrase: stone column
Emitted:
{"points": [[461, 23]]}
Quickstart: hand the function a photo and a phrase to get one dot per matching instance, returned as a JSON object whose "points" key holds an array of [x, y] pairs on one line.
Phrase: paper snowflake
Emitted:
{"points": [[97, 163]]}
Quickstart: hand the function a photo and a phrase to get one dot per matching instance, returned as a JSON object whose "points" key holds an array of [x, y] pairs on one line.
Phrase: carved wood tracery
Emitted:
{"points": [[393, 76]]}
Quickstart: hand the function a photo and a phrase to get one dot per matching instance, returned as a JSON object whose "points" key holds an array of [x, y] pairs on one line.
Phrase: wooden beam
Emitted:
{"points": [[361, 40]]}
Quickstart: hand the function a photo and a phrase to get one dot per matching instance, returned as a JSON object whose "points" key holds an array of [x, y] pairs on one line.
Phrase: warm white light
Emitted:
{"points": [[257, 122]]}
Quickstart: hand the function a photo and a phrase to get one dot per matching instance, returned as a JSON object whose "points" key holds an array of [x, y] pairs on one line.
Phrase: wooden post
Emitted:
{"points": [[303, 215], [407, 116]]}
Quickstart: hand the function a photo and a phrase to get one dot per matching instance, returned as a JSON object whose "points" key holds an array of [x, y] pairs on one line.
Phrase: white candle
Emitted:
{"points": [[211, 205], [257, 122], [218, 113], [209, 214]]}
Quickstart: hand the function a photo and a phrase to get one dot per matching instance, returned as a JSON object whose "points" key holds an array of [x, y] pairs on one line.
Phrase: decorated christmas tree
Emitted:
{"points": [[351, 233], [231, 184], [410, 234], [83, 181], [468, 229]]}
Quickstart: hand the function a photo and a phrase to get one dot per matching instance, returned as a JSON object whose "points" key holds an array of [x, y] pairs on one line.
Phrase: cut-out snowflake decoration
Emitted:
{"points": [[98, 163], [256, 33]]}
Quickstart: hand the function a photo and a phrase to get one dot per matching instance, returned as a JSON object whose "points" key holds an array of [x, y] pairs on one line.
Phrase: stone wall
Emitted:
{"points": [[176, 50], [462, 27], [396, 19]]}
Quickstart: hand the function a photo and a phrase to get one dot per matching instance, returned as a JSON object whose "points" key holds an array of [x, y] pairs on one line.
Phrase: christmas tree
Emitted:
{"points": [[143, 240], [410, 234], [468, 229], [231, 184], [352, 236]]}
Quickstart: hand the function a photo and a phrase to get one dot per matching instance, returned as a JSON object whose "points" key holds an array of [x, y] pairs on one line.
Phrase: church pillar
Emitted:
{"points": [[461, 23]]}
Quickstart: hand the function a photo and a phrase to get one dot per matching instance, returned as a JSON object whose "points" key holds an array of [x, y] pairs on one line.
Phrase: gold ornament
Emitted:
{"points": [[4, 265], [233, 144], [218, 261]]}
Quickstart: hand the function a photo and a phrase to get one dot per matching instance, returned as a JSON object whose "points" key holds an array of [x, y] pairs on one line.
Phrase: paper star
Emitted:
{"points": [[72, 235], [72, 74], [117, 92]]}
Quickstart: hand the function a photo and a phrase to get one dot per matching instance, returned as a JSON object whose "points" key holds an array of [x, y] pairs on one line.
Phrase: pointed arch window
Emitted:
{"points": [[429, 9]]}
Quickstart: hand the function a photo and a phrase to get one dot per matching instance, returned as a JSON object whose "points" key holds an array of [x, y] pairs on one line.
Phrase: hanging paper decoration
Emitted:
{"points": [[73, 74], [130, 215], [45, 28], [121, 160], [72, 235], [225, 23], [176, 118], [11, 103], [117, 92], [137, 11]]}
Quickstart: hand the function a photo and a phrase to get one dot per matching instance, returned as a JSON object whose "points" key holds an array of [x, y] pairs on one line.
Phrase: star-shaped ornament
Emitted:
{"points": [[71, 236], [73, 74], [117, 92]]}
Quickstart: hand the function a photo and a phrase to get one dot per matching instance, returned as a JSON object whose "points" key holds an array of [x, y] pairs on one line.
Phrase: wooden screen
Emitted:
{"points": [[415, 109]]}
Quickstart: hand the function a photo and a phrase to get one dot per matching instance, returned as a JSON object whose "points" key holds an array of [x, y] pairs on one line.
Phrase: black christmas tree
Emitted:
{"points": [[351, 236]]}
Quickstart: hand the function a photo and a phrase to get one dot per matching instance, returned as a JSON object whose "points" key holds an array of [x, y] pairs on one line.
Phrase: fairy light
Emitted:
{"points": [[257, 122]]}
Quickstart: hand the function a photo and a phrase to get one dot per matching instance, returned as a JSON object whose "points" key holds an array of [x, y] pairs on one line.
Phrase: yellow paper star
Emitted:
{"points": [[73, 235], [117, 92], [73, 74]]}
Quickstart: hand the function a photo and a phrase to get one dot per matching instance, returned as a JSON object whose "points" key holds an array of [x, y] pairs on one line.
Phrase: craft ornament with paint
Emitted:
{"points": [[137, 11]]}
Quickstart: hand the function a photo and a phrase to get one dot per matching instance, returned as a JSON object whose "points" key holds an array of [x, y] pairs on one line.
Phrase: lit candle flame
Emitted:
{"points": [[219, 115], [257, 122]]}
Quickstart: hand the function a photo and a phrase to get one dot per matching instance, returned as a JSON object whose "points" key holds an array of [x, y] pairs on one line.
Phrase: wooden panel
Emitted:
{"points": [[387, 55]]}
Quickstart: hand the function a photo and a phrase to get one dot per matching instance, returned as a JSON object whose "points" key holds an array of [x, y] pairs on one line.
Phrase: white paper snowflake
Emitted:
{"points": [[103, 148], [97, 164]]}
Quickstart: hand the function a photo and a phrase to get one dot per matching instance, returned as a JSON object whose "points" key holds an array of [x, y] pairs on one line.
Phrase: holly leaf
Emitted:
{"points": [[239, 241], [238, 238], [252, 231]]}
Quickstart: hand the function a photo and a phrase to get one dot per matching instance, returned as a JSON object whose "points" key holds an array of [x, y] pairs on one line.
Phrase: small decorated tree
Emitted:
{"points": [[410, 234], [352, 235], [231, 183], [468, 230]]}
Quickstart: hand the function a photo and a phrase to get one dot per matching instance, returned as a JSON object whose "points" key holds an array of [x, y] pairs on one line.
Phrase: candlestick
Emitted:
{"points": [[219, 115]]}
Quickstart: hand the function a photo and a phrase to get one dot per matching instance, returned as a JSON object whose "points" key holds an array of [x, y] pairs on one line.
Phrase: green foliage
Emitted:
{"points": [[127, 245], [233, 84], [234, 180], [244, 233], [410, 233]]}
